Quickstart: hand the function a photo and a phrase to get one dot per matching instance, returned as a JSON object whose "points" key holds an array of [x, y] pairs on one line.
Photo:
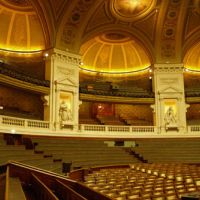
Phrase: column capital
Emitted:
{"points": [[65, 56], [168, 67]]}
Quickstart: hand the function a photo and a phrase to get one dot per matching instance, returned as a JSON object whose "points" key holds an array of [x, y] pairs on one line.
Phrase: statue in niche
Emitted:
{"points": [[170, 117], [64, 112]]}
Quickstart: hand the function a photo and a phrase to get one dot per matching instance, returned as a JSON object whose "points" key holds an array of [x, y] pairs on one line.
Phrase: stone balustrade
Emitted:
{"points": [[21, 126]]}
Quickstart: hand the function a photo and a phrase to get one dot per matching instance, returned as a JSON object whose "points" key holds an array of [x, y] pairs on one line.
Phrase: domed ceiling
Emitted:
{"points": [[192, 58], [131, 10], [111, 35], [20, 28], [114, 53], [117, 51]]}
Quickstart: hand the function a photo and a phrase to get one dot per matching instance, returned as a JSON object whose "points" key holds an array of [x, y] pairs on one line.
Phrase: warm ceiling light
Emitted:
{"points": [[134, 2], [46, 54], [13, 131]]}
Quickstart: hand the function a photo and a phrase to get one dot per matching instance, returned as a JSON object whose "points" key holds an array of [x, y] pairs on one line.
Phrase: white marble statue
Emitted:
{"points": [[64, 112], [170, 117]]}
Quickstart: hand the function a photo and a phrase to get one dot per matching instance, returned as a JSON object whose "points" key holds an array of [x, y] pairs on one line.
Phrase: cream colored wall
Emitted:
{"points": [[169, 93], [62, 69]]}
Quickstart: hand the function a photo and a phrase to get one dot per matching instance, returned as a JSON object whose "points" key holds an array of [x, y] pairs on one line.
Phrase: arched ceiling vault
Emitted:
{"points": [[19, 22], [166, 31], [162, 31], [24, 30], [47, 19]]}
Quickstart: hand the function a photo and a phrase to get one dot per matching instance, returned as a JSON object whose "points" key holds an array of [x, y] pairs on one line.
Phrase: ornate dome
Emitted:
{"points": [[20, 28], [192, 58], [114, 53], [130, 10]]}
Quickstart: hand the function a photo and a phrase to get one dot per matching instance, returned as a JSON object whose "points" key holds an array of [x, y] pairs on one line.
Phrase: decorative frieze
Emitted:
{"points": [[66, 57], [169, 68]]}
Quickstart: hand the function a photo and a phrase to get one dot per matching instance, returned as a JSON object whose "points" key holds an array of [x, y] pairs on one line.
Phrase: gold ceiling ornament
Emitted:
{"points": [[131, 10], [114, 52]]}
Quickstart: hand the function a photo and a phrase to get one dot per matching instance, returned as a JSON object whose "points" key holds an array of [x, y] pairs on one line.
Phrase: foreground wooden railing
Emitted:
{"points": [[2, 185], [47, 185], [13, 188], [42, 191]]}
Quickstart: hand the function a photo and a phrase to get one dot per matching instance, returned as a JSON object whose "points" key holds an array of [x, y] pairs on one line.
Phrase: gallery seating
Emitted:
{"points": [[87, 120], [18, 152], [168, 150], [129, 119], [83, 153], [54, 153], [110, 120]]}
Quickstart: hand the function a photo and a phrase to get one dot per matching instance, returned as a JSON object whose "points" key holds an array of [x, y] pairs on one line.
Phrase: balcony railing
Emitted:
{"points": [[19, 125], [194, 129], [116, 129], [23, 123]]}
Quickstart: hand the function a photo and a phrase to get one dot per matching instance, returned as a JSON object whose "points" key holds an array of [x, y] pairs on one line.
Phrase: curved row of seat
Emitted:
{"points": [[169, 150], [146, 181], [53, 153]]}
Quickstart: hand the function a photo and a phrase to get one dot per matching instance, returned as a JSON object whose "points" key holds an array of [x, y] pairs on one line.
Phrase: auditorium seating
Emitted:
{"points": [[15, 112], [87, 120], [110, 120], [83, 153], [53, 153], [112, 89], [145, 181], [158, 181], [133, 121], [169, 150], [11, 71], [137, 181], [193, 122], [193, 91], [19, 153]]}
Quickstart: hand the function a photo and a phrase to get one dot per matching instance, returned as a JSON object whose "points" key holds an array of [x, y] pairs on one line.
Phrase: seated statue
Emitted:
{"points": [[170, 117], [64, 112]]}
